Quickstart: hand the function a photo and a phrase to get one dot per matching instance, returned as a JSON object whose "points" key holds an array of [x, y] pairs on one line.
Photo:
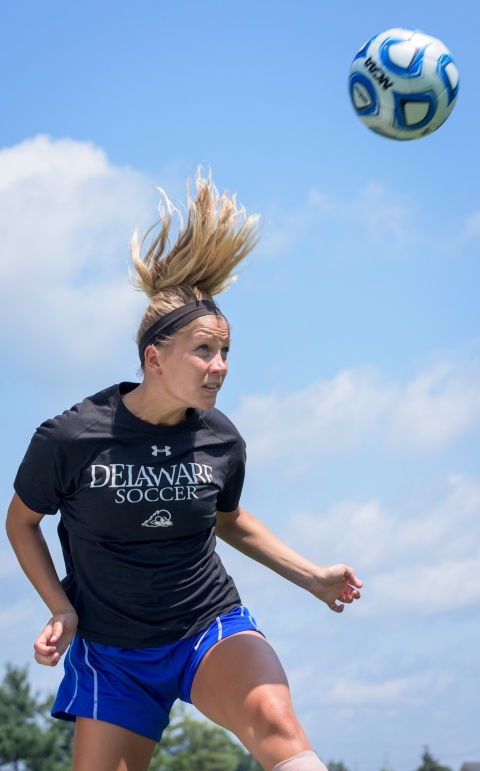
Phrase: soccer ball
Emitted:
{"points": [[403, 84]]}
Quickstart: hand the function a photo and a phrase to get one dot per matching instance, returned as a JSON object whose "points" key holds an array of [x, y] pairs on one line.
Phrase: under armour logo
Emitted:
{"points": [[166, 450], [161, 518]]}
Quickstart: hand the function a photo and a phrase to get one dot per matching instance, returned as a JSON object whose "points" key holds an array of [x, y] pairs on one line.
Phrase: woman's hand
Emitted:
{"points": [[336, 584], [55, 638]]}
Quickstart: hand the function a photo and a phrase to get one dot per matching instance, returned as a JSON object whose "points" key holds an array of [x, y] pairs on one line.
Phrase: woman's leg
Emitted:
{"points": [[100, 746], [241, 685]]}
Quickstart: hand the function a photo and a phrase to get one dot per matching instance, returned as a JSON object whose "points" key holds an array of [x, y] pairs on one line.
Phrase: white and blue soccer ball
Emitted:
{"points": [[403, 84]]}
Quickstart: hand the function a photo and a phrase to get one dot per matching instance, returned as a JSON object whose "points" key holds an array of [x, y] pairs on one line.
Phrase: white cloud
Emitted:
{"points": [[339, 415], [375, 209], [373, 215], [327, 417], [470, 231], [428, 589], [415, 689], [437, 406], [373, 220], [8, 563], [350, 692], [13, 616], [66, 215], [420, 559]]}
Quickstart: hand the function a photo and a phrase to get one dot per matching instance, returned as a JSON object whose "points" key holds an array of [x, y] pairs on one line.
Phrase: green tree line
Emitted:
{"points": [[31, 740]]}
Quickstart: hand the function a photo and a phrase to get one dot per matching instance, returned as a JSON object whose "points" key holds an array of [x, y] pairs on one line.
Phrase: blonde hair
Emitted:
{"points": [[216, 237]]}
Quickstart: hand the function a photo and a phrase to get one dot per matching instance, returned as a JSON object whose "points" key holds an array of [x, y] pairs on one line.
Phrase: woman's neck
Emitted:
{"points": [[148, 405]]}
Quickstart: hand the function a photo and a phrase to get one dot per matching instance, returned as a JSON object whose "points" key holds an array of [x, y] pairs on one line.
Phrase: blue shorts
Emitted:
{"points": [[136, 687]]}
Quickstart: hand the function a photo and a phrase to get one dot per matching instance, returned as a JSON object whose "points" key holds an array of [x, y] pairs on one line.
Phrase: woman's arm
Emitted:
{"points": [[29, 545], [332, 584]]}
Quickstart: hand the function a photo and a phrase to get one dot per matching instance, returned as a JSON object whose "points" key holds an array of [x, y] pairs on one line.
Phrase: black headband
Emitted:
{"points": [[174, 321]]}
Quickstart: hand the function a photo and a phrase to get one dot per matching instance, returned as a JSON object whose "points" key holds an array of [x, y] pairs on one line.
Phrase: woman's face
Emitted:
{"points": [[192, 369]]}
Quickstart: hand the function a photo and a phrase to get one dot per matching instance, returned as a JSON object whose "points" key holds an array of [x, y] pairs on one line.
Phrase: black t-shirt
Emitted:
{"points": [[138, 504]]}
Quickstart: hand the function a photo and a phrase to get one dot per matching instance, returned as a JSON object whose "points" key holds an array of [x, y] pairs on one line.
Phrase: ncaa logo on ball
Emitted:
{"points": [[403, 84]]}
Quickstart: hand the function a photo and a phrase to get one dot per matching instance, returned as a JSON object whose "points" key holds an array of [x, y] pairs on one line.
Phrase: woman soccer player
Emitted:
{"points": [[145, 477]]}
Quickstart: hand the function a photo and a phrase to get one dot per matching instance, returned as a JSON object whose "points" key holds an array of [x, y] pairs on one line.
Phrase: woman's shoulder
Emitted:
{"points": [[89, 410], [217, 422]]}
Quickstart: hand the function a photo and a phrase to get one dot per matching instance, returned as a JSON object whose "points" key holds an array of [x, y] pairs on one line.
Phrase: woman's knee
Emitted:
{"points": [[272, 731], [273, 714]]}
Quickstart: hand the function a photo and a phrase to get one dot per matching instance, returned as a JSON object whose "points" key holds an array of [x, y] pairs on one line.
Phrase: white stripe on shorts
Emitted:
{"points": [[69, 654], [198, 643], [252, 621], [219, 627], [95, 681], [250, 617]]}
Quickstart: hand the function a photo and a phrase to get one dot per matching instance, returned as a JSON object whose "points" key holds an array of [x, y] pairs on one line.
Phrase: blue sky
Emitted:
{"points": [[355, 361]]}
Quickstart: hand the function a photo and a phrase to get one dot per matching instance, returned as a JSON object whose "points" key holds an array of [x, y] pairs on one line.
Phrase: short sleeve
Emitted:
{"points": [[229, 498], [38, 482]]}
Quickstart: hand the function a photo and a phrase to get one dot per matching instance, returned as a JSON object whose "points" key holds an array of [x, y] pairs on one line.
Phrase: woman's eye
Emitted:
{"points": [[206, 349]]}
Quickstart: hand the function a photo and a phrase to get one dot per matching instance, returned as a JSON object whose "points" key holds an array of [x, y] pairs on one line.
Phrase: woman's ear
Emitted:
{"points": [[153, 360]]}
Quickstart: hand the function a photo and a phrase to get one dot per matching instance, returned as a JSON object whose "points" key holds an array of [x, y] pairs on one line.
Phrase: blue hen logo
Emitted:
{"points": [[160, 518]]}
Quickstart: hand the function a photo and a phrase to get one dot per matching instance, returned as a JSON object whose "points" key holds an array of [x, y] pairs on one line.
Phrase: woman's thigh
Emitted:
{"points": [[241, 685], [100, 746]]}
